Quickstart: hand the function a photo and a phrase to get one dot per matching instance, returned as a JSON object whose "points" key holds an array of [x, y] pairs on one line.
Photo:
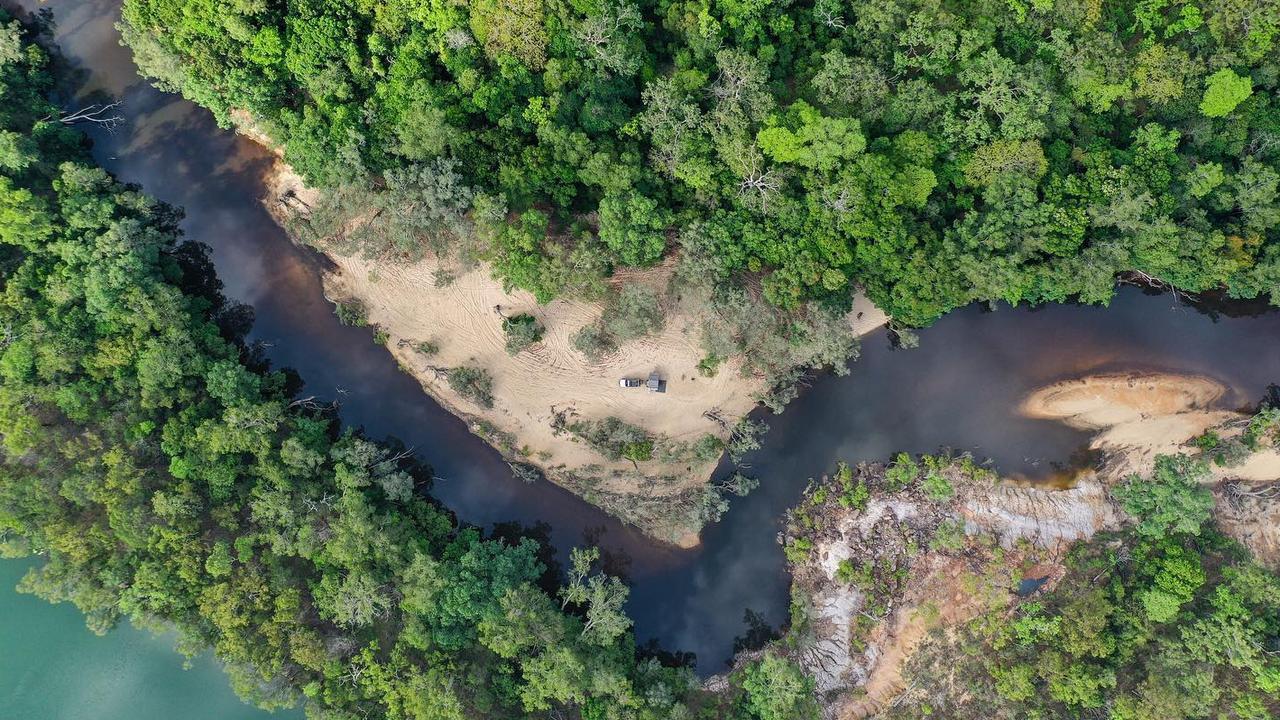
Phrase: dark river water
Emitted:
{"points": [[959, 390]]}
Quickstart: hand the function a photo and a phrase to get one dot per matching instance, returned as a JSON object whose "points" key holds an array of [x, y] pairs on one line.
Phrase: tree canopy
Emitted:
{"points": [[930, 153], [165, 474]]}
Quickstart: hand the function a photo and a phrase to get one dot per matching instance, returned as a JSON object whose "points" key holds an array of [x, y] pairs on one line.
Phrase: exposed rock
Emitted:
{"points": [[858, 635], [1045, 517]]}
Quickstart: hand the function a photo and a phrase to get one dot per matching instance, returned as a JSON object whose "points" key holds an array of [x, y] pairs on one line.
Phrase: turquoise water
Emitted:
{"points": [[53, 668]]}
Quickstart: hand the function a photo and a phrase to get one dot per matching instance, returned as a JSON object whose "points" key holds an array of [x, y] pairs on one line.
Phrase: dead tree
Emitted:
{"points": [[1138, 277], [830, 19], [104, 116], [1238, 493]]}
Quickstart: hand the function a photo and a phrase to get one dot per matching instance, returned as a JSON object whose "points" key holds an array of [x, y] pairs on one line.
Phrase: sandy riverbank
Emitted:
{"points": [[1137, 416], [1140, 416], [540, 389]]}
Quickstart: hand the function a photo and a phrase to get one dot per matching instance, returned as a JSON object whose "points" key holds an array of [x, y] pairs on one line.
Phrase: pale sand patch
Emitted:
{"points": [[534, 387], [1140, 416], [464, 319], [529, 388]]}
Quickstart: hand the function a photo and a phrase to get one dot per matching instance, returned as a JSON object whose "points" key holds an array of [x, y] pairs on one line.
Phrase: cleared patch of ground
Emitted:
{"points": [[874, 576], [863, 625], [540, 390]]}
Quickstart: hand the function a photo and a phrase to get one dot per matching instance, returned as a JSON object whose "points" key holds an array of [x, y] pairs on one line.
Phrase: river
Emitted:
{"points": [[958, 389]]}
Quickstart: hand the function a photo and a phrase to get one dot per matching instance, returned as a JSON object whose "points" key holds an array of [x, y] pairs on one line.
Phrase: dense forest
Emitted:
{"points": [[933, 153], [164, 474]]}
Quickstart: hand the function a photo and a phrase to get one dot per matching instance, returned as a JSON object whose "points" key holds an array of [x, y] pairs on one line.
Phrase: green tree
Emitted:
{"points": [[634, 228], [1172, 500], [1223, 92], [776, 689]]}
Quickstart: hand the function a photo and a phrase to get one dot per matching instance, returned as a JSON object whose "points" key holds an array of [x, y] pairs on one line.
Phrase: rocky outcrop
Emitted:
{"points": [[873, 576], [1047, 518]]}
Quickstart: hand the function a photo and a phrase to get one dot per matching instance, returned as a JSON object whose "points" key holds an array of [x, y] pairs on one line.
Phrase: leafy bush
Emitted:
{"points": [[777, 689], [709, 365], [634, 312], [949, 536], [1172, 500], [351, 313], [615, 439], [936, 486], [522, 331], [593, 342], [797, 551], [902, 473], [474, 384]]}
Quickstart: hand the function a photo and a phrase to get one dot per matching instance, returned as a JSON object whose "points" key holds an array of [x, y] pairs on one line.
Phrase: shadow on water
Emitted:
{"points": [[959, 389]]}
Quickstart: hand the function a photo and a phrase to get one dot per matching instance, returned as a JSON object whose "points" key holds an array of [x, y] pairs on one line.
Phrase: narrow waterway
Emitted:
{"points": [[958, 390]]}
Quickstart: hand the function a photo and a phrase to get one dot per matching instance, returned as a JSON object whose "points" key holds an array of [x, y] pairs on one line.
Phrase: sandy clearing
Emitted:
{"points": [[464, 319], [550, 379]]}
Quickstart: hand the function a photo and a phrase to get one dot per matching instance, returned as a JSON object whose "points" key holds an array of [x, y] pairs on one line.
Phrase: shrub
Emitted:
{"points": [[443, 278], [850, 573], [1172, 500], [902, 472], [472, 383], [777, 689], [522, 331], [638, 451], [615, 439], [709, 365], [797, 551], [936, 486], [634, 312], [949, 536], [593, 342], [708, 448], [1207, 441], [855, 496], [351, 313]]}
